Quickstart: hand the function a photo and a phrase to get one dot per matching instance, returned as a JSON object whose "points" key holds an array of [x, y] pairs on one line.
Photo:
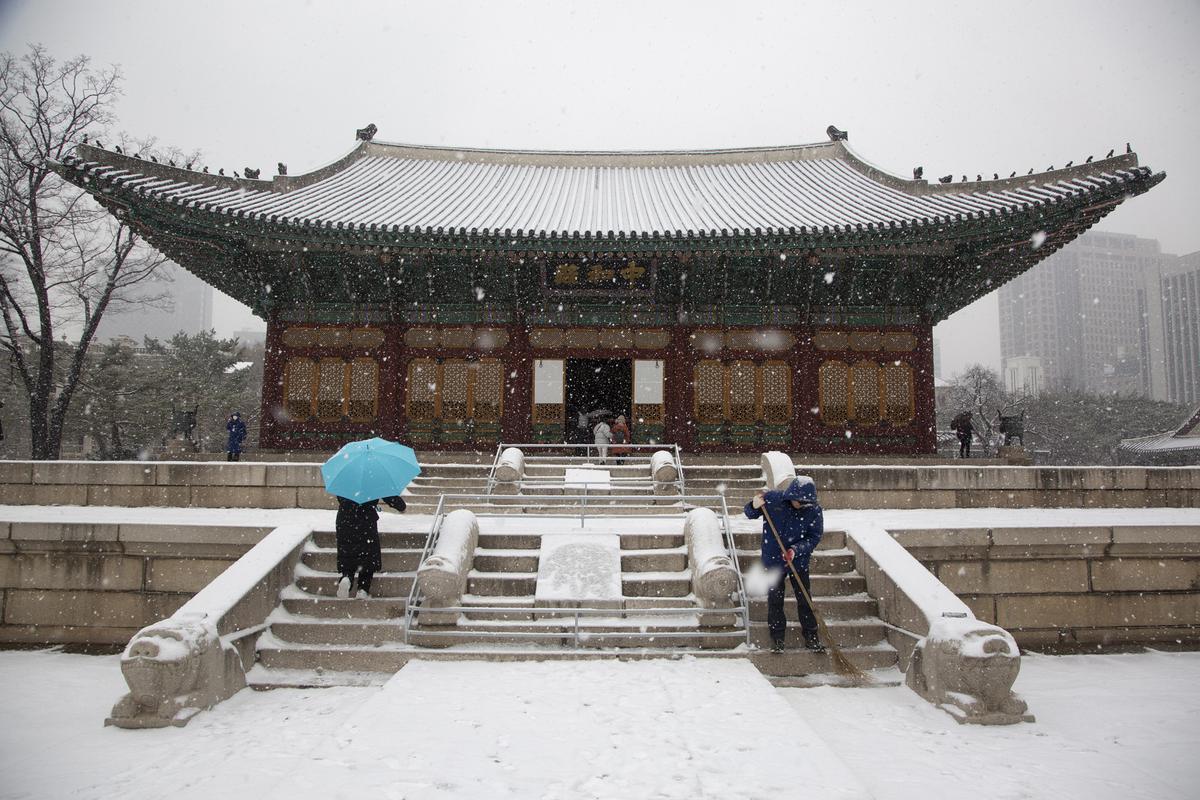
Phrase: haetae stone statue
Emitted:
{"points": [[967, 667], [175, 669]]}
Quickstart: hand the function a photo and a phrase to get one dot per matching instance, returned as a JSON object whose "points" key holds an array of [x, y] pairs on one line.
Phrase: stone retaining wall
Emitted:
{"points": [[100, 584], [250, 485], [1072, 589]]}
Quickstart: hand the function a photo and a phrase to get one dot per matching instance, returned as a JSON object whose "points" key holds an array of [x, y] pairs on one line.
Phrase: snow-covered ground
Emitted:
{"points": [[1120, 726]]}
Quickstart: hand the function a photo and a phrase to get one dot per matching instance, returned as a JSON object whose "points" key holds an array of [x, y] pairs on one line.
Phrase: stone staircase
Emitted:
{"points": [[315, 638], [544, 483]]}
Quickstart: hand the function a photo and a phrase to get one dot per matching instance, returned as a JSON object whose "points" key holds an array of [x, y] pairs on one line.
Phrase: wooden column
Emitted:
{"points": [[517, 419], [272, 387], [924, 398], [678, 391]]}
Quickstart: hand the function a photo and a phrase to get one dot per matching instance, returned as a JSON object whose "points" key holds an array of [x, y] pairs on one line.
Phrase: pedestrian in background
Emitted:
{"points": [[603, 437], [620, 436], [237, 434]]}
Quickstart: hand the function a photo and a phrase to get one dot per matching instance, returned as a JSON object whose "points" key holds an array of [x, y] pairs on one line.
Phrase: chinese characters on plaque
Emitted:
{"points": [[598, 277]]}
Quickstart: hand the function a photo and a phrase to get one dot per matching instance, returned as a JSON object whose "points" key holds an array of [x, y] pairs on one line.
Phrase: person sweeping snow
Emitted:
{"points": [[800, 523]]}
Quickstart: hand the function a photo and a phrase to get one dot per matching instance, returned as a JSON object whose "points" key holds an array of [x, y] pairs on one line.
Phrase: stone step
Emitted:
{"points": [[533, 541], [542, 490], [348, 609], [502, 584], [803, 662], [389, 540], [835, 607], [747, 540], [680, 584], [527, 561], [389, 660], [846, 632], [325, 560], [384, 585], [851, 604], [343, 632], [688, 639], [824, 562]]}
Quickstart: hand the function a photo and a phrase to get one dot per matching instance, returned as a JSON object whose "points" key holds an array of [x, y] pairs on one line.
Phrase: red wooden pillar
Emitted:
{"points": [[805, 364], [272, 387], [392, 388], [678, 390], [517, 420], [925, 422]]}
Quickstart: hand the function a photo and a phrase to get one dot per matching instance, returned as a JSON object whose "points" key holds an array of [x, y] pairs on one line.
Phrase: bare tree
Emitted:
{"points": [[64, 261], [980, 392]]}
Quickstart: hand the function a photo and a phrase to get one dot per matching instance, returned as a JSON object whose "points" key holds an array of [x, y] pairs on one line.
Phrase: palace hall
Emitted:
{"points": [[725, 300]]}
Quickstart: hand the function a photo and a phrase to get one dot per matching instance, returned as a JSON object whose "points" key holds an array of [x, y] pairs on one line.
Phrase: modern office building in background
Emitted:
{"points": [[1109, 313], [187, 308]]}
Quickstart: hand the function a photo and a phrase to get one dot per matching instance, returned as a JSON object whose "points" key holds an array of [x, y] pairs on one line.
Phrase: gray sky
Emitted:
{"points": [[959, 88]]}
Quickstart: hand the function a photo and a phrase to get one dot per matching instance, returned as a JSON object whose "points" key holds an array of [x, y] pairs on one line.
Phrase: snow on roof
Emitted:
{"points": [[1186, 437], [807, 188]]}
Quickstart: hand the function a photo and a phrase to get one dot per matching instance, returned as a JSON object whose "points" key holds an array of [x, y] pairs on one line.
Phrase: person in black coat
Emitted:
{"points": [[358, 553], [963, 427], [236, 428]]}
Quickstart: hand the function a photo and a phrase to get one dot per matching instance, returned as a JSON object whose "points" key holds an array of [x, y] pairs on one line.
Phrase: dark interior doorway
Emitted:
{"points": [[595, 387]]}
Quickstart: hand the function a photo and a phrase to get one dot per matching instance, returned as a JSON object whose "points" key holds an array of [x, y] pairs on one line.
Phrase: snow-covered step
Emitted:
{"points": [[385, 584], [389, 540], [312, 605], [824, 562], [394, 559]]}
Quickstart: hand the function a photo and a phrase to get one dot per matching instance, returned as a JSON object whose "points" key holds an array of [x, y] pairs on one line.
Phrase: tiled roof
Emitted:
{"points": [[804, 189], [1186, 437]]}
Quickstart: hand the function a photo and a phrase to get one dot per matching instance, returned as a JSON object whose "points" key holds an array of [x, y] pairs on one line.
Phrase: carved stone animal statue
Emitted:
{"points": [[967, 668], [175, 669]]}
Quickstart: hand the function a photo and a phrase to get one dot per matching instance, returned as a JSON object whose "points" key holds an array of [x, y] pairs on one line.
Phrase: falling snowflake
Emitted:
{"points": [[829, 277], [1037, 240]]}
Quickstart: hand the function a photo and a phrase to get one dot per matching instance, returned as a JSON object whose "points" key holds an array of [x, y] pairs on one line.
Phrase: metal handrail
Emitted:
{"points": [[740, 610], [414, 591]]}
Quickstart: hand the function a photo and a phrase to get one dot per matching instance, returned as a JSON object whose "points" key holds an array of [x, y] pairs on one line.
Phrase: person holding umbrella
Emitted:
{"points": [[359, 555], [791, 532], [360, 475]]}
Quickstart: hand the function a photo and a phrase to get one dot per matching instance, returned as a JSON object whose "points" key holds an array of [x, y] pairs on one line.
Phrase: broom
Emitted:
{"points": [[842, 664]]}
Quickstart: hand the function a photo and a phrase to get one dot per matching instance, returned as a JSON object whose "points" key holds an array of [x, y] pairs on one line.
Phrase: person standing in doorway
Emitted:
{"points": [[621, 438], [603, 437], [237, 434]]}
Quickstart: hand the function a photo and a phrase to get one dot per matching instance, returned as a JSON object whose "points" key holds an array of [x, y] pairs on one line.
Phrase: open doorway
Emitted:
{"points": [[596, 387]]}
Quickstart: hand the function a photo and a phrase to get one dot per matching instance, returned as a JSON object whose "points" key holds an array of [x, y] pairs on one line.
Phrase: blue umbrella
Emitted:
{"points": [[371, 469]]}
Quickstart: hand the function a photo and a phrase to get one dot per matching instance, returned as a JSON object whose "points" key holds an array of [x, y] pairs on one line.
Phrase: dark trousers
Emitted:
{"points": [[964, 445], [233, 455], [776, 620], [365, 576]]}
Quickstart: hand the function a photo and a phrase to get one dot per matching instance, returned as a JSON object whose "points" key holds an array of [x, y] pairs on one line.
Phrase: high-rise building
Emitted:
{"points": [[1180, 286], [185, 305], [1023, 375], [1092, 313]]}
